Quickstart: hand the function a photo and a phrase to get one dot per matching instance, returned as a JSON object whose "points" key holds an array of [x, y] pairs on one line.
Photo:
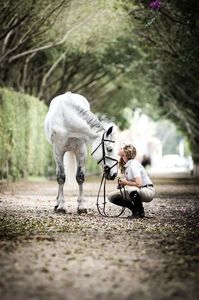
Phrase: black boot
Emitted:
{"points": [[138, 206]]}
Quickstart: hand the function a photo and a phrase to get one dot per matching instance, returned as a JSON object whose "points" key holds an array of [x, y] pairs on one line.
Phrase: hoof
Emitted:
{"points": [[56, 207], [81, 211], [60, 211]]}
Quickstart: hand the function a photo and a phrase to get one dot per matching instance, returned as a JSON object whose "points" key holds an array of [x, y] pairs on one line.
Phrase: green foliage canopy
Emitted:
{"points": [[168, 41], [118, 53]]}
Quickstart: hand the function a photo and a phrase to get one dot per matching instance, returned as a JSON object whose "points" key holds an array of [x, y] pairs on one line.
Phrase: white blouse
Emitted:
{"points": [[133, 169]]}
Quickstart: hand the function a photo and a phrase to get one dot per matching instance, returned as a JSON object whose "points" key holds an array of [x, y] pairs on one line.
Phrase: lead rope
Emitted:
{"points": [[102, 211]]}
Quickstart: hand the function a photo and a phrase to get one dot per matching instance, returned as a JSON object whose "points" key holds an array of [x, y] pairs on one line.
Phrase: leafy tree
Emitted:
{"points": [[119, 53], [167, 35], [66, 45]]}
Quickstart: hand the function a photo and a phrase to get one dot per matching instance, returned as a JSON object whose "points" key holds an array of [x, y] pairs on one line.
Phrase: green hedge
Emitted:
{"points": [[24, 150]]}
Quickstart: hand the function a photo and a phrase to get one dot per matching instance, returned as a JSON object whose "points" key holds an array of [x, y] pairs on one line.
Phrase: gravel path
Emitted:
{"points": [[49, 256]]}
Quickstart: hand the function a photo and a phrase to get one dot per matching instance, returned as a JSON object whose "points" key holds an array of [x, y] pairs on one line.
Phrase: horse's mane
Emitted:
{"points": [[82, 108], [91, 119]]}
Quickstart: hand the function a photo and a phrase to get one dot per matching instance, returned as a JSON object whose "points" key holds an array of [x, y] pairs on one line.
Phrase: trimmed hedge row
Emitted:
{"points": [[24, 150]]}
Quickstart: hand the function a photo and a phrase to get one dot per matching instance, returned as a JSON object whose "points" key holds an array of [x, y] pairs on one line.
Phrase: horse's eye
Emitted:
{"points": [[109, 149]]}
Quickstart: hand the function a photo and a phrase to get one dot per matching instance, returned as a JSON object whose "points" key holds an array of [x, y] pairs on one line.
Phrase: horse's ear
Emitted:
{"points": [[109, 130]]}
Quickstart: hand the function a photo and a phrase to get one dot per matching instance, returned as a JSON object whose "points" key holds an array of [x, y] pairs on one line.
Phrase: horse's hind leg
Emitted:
{"points": [[81, 155], [59, 158]]}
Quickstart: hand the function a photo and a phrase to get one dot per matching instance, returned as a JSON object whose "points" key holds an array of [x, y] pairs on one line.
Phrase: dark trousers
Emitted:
{"points": [[134, 204]]}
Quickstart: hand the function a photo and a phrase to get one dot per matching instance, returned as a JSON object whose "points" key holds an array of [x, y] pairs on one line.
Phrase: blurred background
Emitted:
{"points": [[135, 61]]}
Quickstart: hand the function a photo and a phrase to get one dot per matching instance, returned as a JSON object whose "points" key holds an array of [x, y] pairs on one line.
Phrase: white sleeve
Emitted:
{"points": [[134, 171]]}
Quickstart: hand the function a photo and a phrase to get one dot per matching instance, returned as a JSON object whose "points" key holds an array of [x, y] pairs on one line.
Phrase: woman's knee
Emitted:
{"points": [[112, 196]]}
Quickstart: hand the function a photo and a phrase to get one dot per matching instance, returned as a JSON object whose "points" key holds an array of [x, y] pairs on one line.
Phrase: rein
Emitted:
{"points": [[102, 211]]}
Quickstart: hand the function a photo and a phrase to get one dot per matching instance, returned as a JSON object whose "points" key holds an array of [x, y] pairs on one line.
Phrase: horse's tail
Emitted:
{"points": [[70, 165]]}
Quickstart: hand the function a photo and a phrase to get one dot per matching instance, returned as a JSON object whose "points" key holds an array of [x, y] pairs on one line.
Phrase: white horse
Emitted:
{"points": [[70, 126]]}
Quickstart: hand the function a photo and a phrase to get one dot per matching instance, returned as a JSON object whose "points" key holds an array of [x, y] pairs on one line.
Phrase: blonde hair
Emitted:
{"points": [[130, 152]]}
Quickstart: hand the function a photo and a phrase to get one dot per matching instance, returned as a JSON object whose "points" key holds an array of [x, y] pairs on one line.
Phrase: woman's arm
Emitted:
{"points": [[137, 182]]}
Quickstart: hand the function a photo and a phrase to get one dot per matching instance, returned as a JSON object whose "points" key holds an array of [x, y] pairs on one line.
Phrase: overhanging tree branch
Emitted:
{"points": [[57, 43]]}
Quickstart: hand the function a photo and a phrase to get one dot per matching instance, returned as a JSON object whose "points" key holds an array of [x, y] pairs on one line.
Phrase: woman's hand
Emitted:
{"points": [[123, 181]]}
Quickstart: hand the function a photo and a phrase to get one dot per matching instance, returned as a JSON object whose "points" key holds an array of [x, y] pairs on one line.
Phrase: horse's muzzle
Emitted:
{"points": [[107, 173], [110, 177]]}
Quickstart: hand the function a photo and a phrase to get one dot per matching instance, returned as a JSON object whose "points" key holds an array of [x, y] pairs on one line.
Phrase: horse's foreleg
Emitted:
{"points": [[80, 176], [60, 206]]}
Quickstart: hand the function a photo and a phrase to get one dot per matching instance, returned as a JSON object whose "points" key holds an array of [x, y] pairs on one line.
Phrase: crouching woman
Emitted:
{"points": [[138, 186]]}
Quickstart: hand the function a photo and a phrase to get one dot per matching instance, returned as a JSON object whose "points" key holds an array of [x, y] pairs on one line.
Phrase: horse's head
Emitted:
{"points": [[103, 151]]}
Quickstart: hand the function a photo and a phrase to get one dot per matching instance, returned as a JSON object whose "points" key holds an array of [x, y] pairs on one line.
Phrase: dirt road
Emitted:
{"points": [[48, 256]]}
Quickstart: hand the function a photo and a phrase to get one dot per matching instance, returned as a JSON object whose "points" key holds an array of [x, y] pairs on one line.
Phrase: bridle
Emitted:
{"points": [[104, 156], [106, 171]]}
